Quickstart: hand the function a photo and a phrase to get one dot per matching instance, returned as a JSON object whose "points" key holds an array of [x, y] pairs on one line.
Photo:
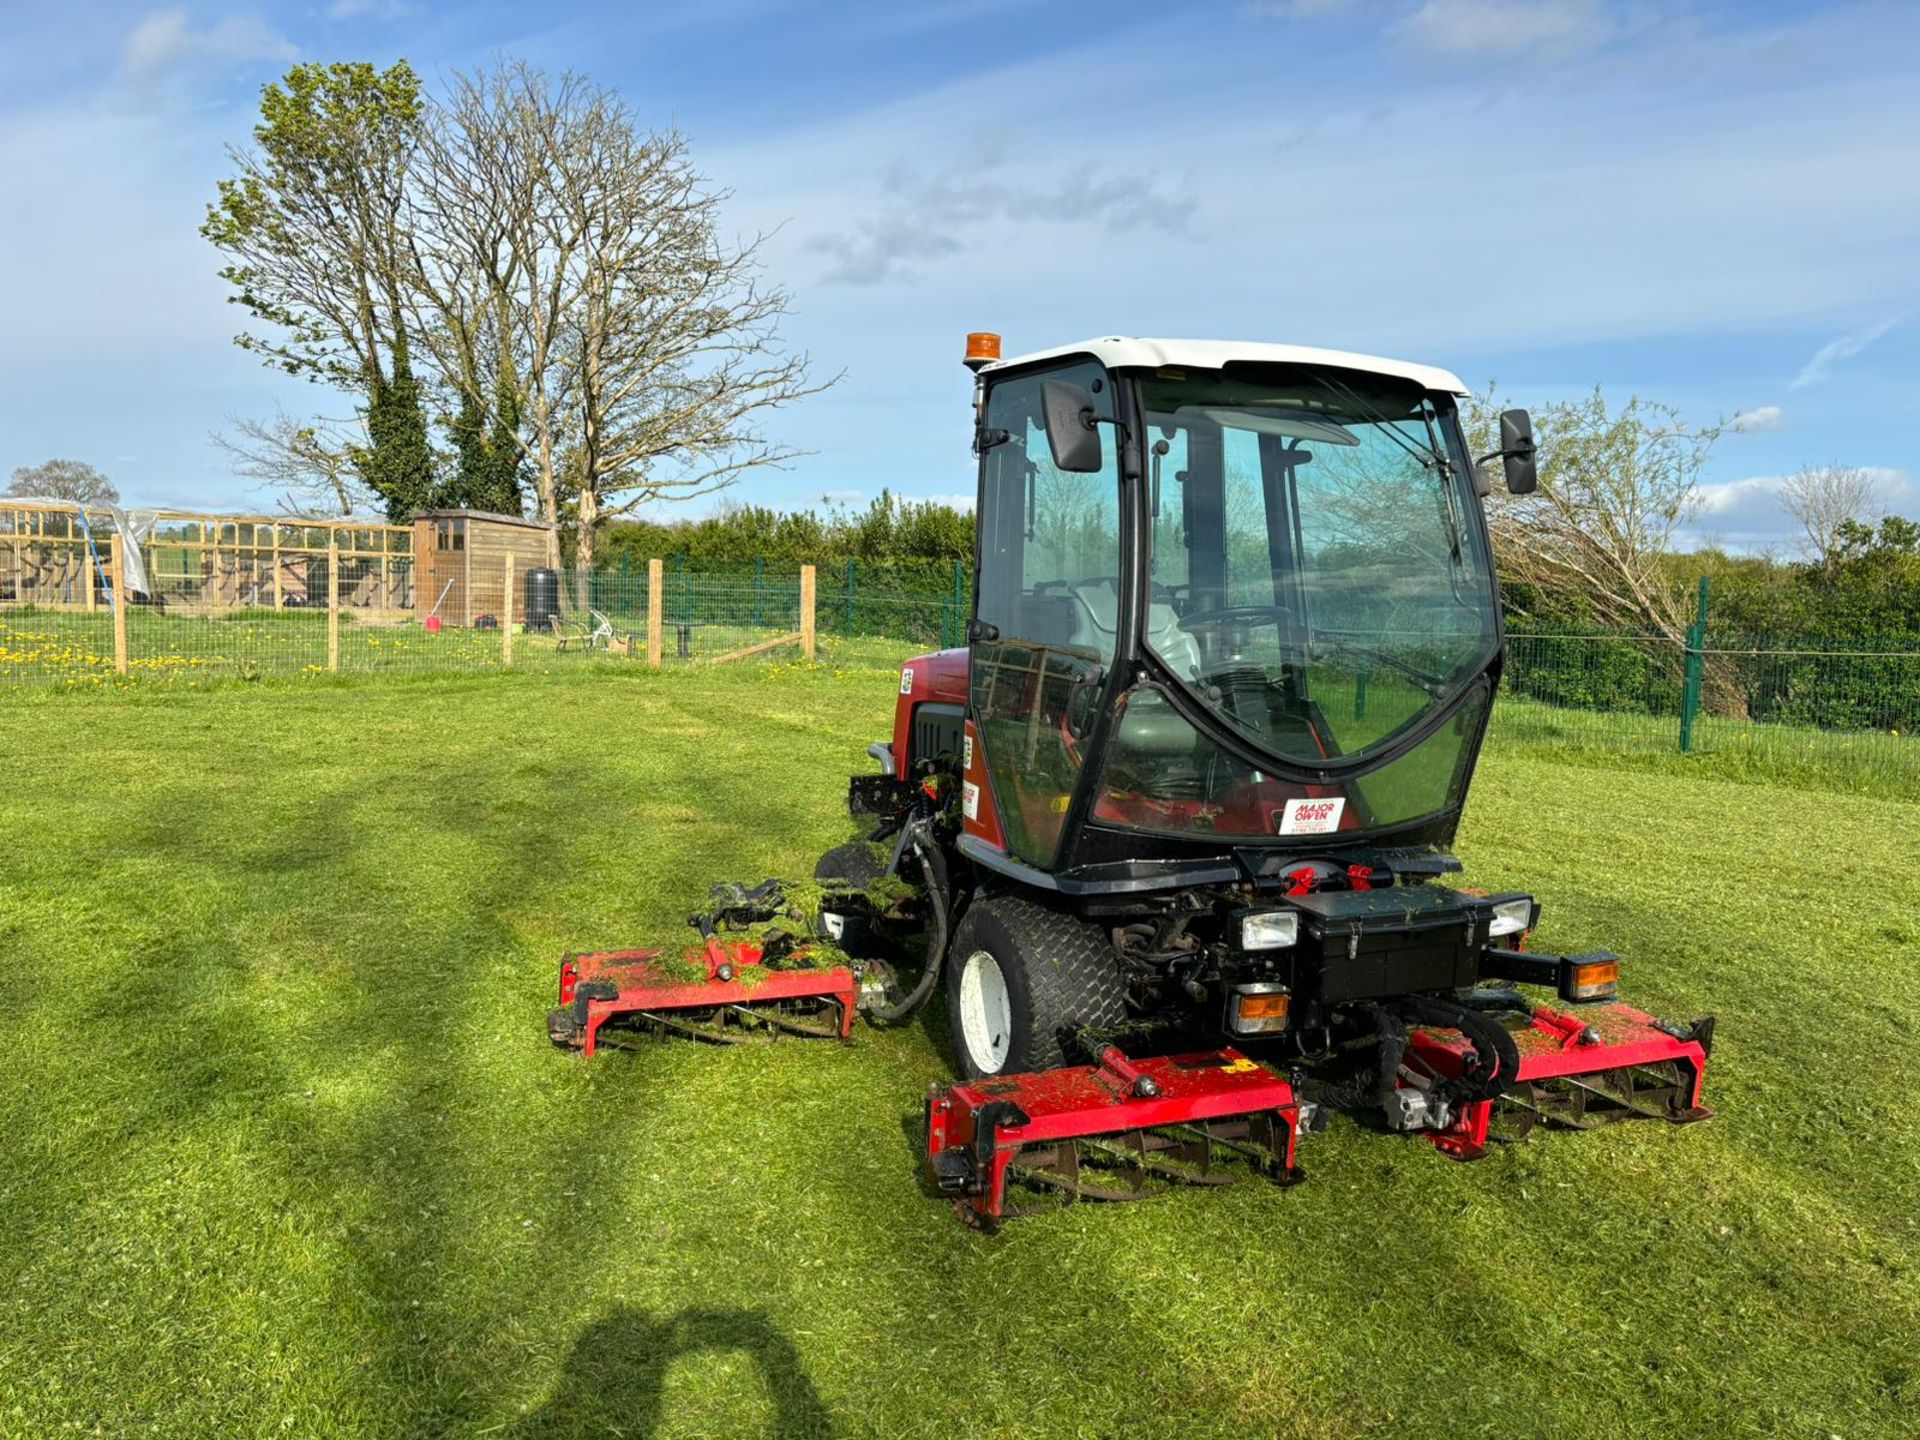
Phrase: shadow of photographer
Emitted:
{"points": [[614, 1382]]}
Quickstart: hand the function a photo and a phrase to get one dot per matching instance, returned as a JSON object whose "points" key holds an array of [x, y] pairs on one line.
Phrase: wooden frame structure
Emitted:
{"points": [[202, 562]]}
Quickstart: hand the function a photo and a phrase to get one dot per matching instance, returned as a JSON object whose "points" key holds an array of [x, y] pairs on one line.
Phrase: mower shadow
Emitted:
{"points": [[614, 1380]]}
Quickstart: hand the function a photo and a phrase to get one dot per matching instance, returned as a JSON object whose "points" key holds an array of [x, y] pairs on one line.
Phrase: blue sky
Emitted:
{"points": [[1716, 205]]}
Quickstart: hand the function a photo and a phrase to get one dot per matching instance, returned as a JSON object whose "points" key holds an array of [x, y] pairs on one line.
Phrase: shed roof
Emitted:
{"points": [[491, 517]]}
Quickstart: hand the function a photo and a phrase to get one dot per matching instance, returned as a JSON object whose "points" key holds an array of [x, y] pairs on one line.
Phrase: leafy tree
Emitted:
{"points": [[397, 461], [65, 480], [1616, 486], [489, 464], [314, 227]]}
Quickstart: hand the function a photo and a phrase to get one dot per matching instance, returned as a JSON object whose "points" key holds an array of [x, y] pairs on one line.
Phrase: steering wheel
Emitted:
{"points": [[1234, 615]]}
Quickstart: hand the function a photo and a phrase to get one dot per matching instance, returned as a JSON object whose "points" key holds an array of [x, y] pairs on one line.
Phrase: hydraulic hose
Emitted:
{"points": [[1366, 1088], [1496, 1059], [933, 869], [1491, 1071]]}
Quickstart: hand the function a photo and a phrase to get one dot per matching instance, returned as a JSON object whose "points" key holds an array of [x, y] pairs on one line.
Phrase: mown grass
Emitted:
{"points": [[284, 1150], [1865, 762], [74, 649]]}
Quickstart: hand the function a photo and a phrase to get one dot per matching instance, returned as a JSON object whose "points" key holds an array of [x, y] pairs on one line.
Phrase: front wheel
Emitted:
{"points": [[1021, 980]]}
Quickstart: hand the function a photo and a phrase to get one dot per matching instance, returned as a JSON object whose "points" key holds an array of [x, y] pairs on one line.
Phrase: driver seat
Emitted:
{"points": [[1097, 615]]}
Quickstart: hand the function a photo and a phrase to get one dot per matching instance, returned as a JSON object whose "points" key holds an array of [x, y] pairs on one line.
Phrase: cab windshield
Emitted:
{"points": [[1319, 575]]}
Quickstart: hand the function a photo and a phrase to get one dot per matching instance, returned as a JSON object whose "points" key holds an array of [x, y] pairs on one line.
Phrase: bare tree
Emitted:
{"points": [[677, 358], [1822, 499], [584, 252], [1616, 487], [492, 261], [309, 466], [65, 480]]}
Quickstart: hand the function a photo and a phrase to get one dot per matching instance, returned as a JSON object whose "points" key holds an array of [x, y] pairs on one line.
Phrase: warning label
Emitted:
{"points": [[1310, 817], [970, 800]]}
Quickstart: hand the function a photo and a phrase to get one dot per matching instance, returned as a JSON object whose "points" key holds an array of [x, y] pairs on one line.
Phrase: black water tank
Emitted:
{"points": [[543, 598]]}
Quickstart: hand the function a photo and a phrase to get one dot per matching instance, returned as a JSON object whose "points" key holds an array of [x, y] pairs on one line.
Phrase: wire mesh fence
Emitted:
{"points": [[1849, 710]]}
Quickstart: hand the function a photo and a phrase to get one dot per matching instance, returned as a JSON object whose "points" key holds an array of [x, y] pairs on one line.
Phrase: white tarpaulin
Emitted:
{"points": [[135, 528]]}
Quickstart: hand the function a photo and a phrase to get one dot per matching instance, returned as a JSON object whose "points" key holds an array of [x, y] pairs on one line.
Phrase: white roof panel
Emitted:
{"points": [[1116, 351]]}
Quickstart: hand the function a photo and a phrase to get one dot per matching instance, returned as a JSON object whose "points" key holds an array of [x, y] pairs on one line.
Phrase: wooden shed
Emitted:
{"points": [[463, 554]]}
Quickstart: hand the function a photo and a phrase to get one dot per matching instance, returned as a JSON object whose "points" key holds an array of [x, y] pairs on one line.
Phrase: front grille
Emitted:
{"points": [[936, 731]]}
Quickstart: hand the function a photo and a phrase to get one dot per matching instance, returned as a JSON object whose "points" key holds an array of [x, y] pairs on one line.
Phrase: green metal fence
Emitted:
{"points": [[1846, 710]]}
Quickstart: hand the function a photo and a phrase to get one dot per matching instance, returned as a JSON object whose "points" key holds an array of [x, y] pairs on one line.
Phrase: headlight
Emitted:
{"points": [[1269, 930], [1511, 917]]}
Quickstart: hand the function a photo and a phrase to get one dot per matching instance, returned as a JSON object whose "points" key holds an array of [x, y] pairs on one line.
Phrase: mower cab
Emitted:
{"points": [[1234, 647]]}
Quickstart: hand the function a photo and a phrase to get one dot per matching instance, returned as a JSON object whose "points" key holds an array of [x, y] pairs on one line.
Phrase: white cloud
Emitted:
{"points": [[1834, 351], [1728, 496], [166, 45], [1759, 418], [1746, 514], [1502, 29], [931, 216]]}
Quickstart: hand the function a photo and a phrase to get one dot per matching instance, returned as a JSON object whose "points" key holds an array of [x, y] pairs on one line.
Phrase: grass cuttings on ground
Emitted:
{"points": [[284, 1149]]}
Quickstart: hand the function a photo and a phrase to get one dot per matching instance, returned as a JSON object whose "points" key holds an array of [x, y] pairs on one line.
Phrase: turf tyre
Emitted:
{"points": [[1058, 974]]}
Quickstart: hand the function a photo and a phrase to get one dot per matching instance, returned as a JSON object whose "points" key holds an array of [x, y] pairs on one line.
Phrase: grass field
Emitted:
{"points": [[74, 649], [284, 1150]]}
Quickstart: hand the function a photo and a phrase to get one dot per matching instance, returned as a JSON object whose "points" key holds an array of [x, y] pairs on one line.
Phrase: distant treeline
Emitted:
{"points": [[1867, 591], [888, 532]]}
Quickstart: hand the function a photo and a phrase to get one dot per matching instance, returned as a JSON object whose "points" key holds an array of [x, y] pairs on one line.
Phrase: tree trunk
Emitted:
{"points": [[583, 538]]}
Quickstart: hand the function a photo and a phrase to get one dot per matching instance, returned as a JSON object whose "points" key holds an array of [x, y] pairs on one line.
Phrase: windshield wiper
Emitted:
{"points": [[1434, 685], [1435, 459]]}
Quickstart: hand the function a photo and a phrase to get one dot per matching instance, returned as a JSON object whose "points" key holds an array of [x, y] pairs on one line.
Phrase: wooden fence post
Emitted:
{"points": [[806, 611], [119, 605], [333, 601], [506, 616], [656, 585]]}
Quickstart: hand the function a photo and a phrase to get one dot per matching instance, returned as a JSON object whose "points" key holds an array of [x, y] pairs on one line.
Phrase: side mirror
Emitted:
{"points": [[1517, 452], [1070, 426]]}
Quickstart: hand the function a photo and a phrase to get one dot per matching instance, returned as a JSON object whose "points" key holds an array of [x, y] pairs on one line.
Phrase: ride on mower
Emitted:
{"points": [[1174, 825]]}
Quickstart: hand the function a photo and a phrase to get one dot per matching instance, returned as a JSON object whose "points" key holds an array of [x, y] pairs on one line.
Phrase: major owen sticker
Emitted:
{"points": [[1310, 817]]}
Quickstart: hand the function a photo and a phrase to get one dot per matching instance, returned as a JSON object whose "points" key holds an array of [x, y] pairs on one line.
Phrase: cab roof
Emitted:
{"points": [[1121, 351]]}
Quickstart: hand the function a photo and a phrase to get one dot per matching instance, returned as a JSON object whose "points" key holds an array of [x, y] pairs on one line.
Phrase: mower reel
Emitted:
{"points": [[1578, 1070], [730, 991], [1119, 1129]]}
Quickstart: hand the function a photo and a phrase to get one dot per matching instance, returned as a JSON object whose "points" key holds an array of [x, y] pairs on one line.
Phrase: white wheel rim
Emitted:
{"points": [[986, 1012]]}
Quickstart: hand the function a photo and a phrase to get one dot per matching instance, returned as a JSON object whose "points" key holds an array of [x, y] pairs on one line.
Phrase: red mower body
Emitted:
{"points": [[1580, 1069], [736, 986], [1165, 1118]]}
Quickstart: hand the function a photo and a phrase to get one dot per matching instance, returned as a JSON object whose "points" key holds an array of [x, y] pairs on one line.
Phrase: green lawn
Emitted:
{"points": [[284, 1149], [74, 649]]}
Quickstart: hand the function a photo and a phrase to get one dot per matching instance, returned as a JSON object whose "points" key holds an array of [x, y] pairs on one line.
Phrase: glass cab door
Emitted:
{"points": [[1047, 606]]}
